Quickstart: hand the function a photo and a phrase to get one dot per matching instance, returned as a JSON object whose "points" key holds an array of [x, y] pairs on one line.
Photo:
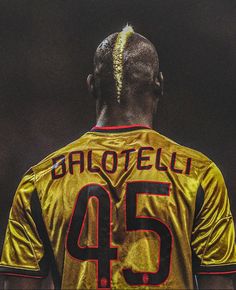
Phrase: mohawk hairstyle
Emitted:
{"points": [[118, 54], [125, 64]]}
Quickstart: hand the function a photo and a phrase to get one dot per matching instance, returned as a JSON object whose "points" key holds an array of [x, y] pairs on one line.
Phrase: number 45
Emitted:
{"points": [[104, 252]]}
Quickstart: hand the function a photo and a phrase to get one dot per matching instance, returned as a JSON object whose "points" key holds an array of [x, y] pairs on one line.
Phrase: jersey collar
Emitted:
{"points": [[118, 129]]}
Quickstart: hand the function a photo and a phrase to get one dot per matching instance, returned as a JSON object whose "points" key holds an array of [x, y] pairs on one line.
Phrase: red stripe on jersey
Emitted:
{"points": [[120, 127], [21, 275]]}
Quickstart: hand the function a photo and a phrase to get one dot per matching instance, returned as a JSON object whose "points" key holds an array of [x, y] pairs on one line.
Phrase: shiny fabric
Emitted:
{"points": [[208, 235]]}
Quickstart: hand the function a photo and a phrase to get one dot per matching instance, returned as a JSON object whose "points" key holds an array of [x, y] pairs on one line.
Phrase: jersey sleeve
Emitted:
{"points": [[213, 236], [23, 253]]}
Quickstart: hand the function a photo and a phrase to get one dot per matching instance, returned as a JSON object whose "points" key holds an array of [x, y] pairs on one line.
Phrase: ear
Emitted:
{"points": [[161, 80], [91, 84], [159, 84]]}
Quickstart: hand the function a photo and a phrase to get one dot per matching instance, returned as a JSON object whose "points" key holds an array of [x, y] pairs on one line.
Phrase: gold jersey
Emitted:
{"points": [[121, 208]]}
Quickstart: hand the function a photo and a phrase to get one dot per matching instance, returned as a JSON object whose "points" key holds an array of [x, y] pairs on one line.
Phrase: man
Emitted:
{"points": [[122, 207]]}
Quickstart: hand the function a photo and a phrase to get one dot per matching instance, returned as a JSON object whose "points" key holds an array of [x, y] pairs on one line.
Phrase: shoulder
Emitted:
{"points": [[44, 167], [173, 145], [208, 175], [199, 161]]}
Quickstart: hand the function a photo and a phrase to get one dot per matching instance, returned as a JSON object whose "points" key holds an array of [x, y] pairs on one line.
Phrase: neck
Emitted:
{"points": [[119, 117]]}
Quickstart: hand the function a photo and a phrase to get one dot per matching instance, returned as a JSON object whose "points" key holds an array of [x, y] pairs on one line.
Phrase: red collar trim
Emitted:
{"points": [[119, 128]]}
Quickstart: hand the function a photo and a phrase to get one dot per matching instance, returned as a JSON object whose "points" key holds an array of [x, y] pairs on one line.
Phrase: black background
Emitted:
{"points": [[46, 50]]}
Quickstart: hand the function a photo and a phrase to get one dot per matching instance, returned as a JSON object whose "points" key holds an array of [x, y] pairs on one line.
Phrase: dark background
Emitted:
{"points": [[46, 50]]}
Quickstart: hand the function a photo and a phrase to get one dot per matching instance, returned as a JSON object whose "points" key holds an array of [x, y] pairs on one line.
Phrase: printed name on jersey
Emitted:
{"points": [[82, 160]]}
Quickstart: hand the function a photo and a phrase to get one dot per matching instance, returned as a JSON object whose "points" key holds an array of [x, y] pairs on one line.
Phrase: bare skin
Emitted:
{"points": [[22, 283], [215, 282], [138, 106], [12, 282]]}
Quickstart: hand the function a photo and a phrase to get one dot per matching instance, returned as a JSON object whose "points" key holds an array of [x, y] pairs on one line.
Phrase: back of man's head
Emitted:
{"points": [[126, 68]]}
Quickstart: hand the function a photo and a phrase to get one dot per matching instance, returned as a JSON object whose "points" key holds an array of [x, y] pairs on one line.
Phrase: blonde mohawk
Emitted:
{"points": [[118, 54]]}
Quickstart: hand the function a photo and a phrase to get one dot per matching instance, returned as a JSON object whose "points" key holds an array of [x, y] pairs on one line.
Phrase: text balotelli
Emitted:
{"points": [[145, 159]]}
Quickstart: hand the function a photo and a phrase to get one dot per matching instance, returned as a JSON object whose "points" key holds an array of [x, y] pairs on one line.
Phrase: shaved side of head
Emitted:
{"points": [[125, 71]]}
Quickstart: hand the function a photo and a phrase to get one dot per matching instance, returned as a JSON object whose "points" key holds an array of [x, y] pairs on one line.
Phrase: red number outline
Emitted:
{"points": [[96, 261], [110, 233], [147, 217]]}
